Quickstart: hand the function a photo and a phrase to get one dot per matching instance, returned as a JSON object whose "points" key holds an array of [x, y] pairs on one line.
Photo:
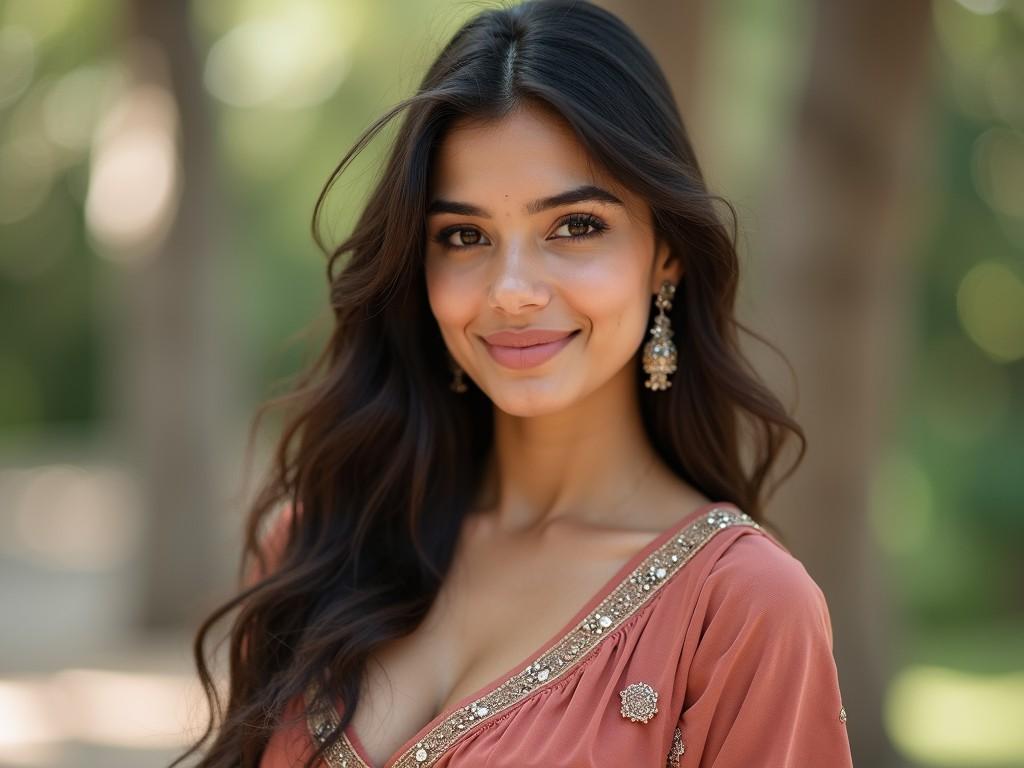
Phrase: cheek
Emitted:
{"points": [[613, 294], [451, 295], [620, 322]]}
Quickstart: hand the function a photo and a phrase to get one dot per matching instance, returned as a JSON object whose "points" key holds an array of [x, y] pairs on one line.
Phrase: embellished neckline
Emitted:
{"points": [[628, 589]]}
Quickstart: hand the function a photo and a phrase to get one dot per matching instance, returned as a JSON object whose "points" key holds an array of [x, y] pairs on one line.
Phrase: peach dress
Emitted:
{"points": [[711, 647]]}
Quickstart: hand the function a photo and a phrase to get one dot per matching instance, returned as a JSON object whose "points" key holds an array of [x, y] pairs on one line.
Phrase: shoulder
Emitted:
{"points": [[760, 681], [272, 539], [276, 527], [757, 585]]}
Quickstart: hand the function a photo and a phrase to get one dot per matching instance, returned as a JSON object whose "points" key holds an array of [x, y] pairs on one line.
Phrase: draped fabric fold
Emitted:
{"points": [[714, 650]]}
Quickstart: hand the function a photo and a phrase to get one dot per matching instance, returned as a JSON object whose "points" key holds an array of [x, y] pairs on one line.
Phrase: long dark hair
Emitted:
{"points": [[380, 456]]}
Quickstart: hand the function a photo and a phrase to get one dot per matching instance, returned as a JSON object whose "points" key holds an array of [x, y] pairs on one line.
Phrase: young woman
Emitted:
{"points": [[522, 489]]}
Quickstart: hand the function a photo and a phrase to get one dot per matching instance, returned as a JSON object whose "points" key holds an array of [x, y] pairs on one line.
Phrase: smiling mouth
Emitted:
{"points": [[530, 356]]}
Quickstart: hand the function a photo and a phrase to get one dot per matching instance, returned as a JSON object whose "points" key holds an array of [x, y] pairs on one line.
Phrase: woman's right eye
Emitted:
{"points": [[468, 235]]}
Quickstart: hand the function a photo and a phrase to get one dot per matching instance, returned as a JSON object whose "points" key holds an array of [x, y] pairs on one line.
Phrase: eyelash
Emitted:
{"points": [[577, 219]]}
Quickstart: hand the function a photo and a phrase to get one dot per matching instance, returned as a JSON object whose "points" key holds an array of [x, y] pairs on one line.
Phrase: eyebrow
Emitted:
{"points": [[586, 193]]}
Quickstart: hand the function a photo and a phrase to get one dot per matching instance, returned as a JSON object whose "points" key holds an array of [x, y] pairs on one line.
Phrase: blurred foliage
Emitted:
{"points": [[292, 83], [962, 410], [949, 503]]}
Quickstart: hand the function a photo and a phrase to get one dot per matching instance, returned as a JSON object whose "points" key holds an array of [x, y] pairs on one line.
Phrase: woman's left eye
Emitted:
{"points": [[577, 224]]}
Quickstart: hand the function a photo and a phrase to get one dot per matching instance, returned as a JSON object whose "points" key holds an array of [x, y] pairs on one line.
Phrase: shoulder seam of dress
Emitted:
{"points": [[711, 566], [631, 594]]}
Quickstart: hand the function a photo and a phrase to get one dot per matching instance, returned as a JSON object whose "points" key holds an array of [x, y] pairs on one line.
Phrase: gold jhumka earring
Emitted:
{"points": [[660, 353]]}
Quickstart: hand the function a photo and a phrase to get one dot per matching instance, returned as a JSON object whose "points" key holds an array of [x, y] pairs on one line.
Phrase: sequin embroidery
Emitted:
{"points": [[322, 723], [676, 750], [632, 593]]}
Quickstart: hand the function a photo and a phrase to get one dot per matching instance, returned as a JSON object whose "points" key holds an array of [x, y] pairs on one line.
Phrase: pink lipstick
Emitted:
{"points": [[527, 348]]}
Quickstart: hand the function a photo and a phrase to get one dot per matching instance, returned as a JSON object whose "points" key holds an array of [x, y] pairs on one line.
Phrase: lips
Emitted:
{"points": [[526, 349], [525, 338]]}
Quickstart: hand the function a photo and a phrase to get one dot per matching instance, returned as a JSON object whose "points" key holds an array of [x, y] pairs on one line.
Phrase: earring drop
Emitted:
{"points": [[659, 352], [458, 383]]}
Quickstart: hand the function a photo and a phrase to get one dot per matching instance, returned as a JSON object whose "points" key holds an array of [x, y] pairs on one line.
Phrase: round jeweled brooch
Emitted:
{"points": [[639, 702]]}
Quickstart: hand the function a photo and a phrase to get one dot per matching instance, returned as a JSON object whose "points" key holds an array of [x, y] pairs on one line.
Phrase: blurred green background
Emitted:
{"points": [[157, 274]]}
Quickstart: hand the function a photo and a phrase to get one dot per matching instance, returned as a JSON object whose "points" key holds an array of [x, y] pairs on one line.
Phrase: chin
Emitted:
{"points": [[531, 398]]}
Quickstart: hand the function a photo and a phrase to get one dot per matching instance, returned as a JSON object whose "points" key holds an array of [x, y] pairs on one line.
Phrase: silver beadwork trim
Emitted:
{"points": [[639, 586], [321, 724]]}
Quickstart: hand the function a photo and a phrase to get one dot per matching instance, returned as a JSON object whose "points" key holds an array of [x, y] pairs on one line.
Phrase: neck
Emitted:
{"points": [[579, 464]]}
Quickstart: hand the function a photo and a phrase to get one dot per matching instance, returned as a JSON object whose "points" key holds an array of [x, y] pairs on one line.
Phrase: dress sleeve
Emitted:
{"points": [[762, 687]]}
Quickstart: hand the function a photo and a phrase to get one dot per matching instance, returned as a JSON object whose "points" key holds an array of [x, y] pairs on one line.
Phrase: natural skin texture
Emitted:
{"points": [[573, 492], [740, 631], [557, 453]]}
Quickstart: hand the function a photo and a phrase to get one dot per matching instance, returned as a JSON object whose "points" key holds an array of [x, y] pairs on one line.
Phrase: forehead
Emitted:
{"points": [[527, 153]]}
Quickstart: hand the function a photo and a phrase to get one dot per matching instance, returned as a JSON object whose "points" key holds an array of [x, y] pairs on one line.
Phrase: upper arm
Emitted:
{"points": [[762, 687]]}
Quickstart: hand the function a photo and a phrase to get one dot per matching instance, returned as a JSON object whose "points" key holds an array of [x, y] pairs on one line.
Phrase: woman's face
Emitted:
{"points": [[505, 254]]}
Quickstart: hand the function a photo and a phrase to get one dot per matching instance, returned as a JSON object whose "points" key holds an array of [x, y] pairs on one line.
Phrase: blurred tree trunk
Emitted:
{"points": [[674, 31], [832, 265], [177, 412], [833, 273]]}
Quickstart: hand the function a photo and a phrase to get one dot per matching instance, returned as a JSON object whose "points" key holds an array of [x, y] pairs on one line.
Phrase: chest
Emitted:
{"points": [[499, 605]]}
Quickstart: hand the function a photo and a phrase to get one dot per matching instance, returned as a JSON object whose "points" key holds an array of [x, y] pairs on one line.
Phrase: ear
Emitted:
{"points": [[667, 266]]}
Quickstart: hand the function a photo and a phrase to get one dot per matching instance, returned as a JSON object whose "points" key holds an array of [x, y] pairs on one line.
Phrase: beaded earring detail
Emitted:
{"points": [[659, 352]]}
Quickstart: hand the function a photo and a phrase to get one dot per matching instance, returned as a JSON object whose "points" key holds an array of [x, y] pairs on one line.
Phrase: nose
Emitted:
{"points": [[519, 283]]}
